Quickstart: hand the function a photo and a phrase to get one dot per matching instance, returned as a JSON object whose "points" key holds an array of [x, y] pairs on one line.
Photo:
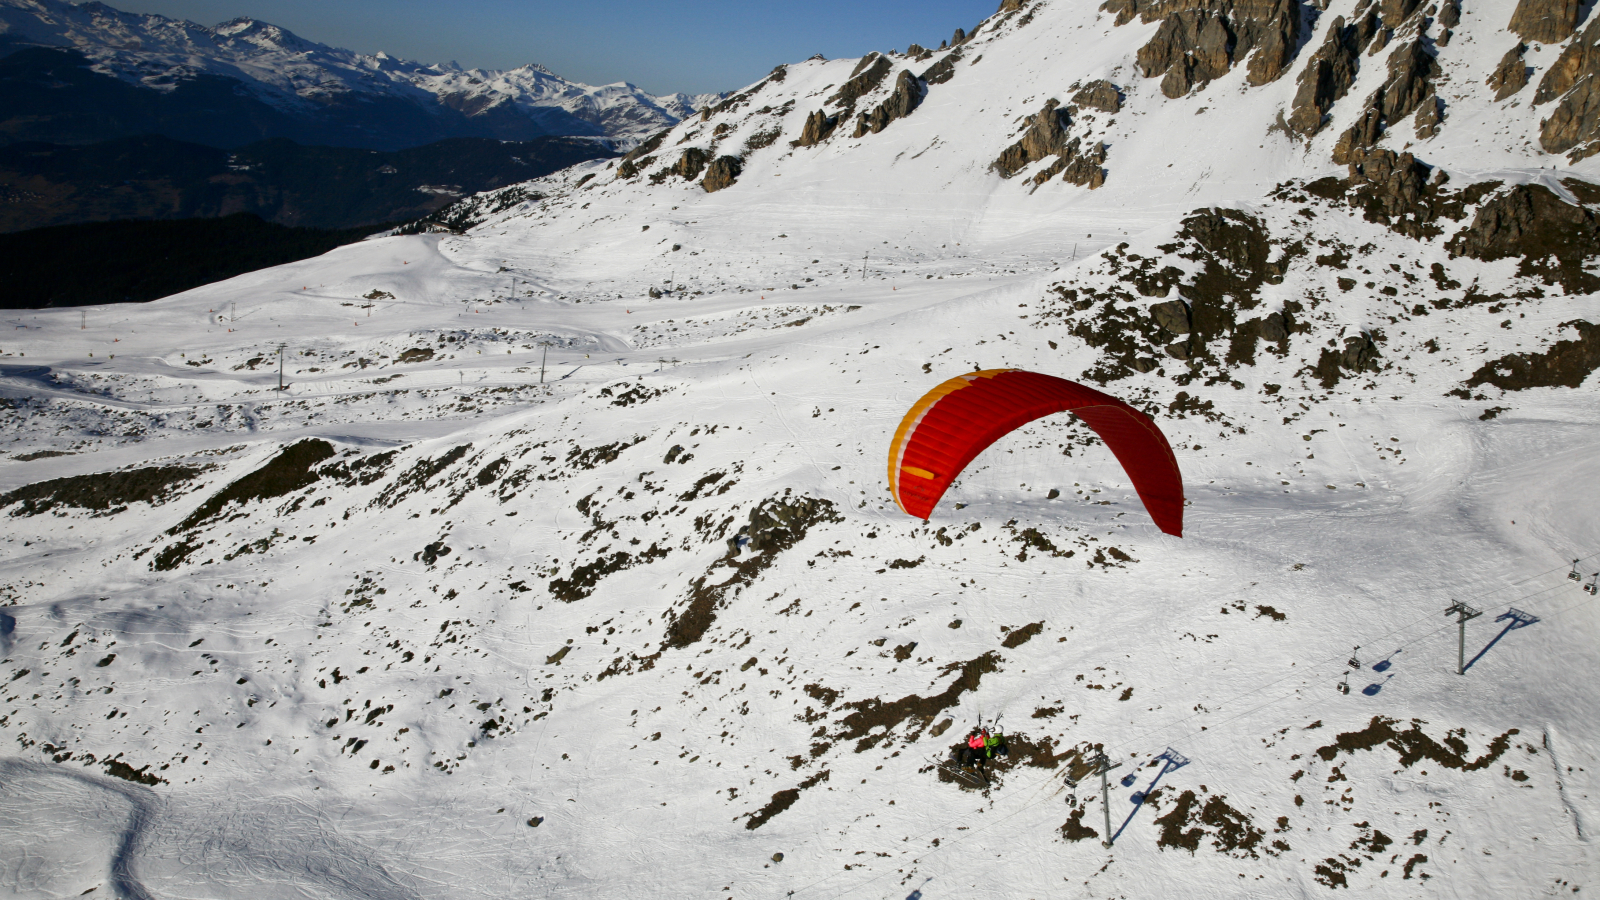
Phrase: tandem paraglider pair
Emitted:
{"points": [[954, 422], [982, 745]]}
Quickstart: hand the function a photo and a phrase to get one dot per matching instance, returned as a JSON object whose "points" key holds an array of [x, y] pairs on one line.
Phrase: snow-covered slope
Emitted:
{"points": [[297, 75], [633, 612]]}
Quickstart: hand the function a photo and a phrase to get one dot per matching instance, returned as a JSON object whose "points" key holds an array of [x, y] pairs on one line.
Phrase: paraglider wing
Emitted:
{"points": [[960, 418]]}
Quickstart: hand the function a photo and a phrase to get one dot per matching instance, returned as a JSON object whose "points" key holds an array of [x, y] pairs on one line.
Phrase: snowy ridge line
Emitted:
{"points": [[1030, 800]]}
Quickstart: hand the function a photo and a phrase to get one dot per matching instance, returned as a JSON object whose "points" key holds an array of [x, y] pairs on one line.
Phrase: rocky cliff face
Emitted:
{"points": [[722, 173], [1200, 40], [1329, 74], [819, 125], [1545, 21], [1046, 135], [868, 74], [1076, 161], [1511, 75], [908, 93], [1099, 94], [1411, 72], [1572, 82]]}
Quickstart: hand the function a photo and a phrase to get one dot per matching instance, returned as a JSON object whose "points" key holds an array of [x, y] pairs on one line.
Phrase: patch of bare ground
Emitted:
{"points": [[105, 493], [782, 800], [1414, 745]]}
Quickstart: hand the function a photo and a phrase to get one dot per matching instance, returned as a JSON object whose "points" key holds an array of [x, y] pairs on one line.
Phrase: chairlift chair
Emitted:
{"points": [[1574, 574]]}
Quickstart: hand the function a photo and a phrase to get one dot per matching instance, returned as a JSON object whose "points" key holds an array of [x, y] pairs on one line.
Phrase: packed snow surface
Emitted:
{"points": [[564, 562]]}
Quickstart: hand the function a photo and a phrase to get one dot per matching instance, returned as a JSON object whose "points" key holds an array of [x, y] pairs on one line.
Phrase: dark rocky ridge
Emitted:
{"points": [[102, 492], [152, 177]]}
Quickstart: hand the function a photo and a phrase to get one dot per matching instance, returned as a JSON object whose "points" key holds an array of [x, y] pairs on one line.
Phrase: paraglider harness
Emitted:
{"points": [[982, 745]]}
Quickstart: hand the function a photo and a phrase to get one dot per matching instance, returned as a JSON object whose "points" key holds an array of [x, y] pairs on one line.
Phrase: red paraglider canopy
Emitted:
{"points": [[959, 419]]}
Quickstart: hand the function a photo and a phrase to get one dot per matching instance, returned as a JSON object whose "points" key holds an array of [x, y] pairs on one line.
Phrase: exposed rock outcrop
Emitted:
{"points": [[819, 126], [1046, 136], [1394, 187], [635, 160], [908, 93], [1394, 13], [1331, 71], [868, 74], [1402, 192], [1430, 115], [691, 163], [1411, 72], [1083, 165], [1545, 21], [1574, 125], [1200, 40], [1412, 69], [1449, 18], [1580, 60], [723, 172], [1099, 94], [1565, 364], [1173, 315], [1359, 138], [943, 70], [1360, 354], [1555, 240], [1511, 75], [1328, 75]]}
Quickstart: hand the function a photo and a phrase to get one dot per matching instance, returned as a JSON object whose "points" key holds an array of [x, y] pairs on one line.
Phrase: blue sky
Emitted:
{"points": [[694, 46]]}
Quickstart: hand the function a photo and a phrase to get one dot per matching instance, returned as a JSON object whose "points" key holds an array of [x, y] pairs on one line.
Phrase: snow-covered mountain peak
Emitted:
{"points": [[288, 71]]}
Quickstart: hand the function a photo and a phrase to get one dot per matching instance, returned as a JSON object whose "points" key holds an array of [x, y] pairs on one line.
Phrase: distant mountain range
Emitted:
{"points": [[152, 177], [86, 73]]}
